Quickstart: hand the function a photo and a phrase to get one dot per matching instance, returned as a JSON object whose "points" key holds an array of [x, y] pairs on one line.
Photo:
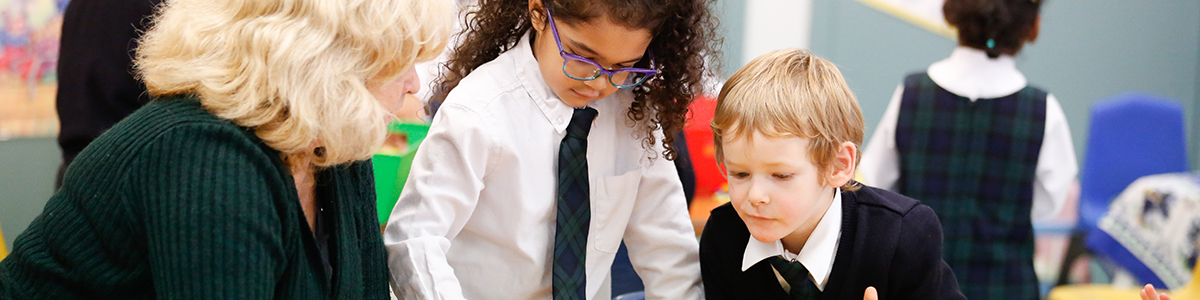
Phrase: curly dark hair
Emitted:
{"points": [[684, 42], [1007, 23]]}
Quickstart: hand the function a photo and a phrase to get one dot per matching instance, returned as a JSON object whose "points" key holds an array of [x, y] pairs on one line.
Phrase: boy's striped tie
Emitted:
{"points": [[796, 276]]}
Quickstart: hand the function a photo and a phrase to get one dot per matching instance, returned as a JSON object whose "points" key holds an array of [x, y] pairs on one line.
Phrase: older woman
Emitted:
{"points": [[247, 177]]}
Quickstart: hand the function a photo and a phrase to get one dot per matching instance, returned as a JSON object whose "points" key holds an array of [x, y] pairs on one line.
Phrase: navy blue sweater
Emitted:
{"points": [[888, 241]]}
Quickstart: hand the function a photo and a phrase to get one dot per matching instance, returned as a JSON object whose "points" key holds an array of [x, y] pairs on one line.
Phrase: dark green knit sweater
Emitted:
{"points": [[175, 203]]}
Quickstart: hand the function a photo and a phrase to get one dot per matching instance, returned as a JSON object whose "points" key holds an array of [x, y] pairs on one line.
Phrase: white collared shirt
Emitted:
{"points": [[476, 218], [818, 253], [970, 73]]}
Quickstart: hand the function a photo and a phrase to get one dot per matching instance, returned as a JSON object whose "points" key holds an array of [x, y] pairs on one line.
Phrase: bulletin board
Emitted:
{"points": [[29, 35], [926, 14]]}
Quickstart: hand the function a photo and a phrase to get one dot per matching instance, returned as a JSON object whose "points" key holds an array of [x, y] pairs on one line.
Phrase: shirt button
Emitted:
{"points": [[559, 120]]}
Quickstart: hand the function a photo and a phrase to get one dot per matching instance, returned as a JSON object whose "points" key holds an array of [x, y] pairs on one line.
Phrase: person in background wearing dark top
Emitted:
{"points": [[247, 176], [990, 152], [787, 130], [96, 87]]}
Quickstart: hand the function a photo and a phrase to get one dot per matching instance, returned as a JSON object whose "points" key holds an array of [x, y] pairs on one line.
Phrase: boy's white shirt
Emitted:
{"points": [[818, 253], [970, 73], [476, 218]]}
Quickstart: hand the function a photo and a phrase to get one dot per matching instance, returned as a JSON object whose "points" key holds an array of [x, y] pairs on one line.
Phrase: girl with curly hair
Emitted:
{"points": [[548, 151]]}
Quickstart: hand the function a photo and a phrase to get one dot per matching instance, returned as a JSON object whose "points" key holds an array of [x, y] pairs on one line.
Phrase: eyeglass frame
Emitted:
{"points": [[600, 70]]}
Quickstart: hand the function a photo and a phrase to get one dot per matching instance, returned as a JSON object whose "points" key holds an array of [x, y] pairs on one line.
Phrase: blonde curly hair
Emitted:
{"points": [[299, 72]]}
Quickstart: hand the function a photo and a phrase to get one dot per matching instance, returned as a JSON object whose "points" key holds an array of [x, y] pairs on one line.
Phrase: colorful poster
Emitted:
{"points": [[29, 35], [926, 14]]}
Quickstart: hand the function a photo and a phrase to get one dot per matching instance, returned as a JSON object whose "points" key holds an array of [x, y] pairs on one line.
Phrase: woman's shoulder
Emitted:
{"points": [[161, 138], [174, 113], [179, 123]]}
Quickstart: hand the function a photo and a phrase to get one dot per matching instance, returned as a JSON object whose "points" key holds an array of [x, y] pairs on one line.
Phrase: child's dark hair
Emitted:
{"points": [[995, 26], [684, 34]]}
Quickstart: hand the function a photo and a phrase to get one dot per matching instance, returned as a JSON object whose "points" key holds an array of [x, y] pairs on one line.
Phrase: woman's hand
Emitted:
{"points": [[871, 294], [1148, 293]]}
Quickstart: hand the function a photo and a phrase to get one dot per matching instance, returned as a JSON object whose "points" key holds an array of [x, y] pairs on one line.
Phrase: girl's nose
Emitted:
{"points": [[598, 84]]}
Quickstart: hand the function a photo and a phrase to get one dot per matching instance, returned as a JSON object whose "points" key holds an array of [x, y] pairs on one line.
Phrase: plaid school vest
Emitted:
{"points": [[974, 163]]}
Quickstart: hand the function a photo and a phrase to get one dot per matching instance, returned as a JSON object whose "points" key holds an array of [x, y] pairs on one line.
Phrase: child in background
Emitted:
{"points": [[551, 147], [972, 139], [787, 130]]}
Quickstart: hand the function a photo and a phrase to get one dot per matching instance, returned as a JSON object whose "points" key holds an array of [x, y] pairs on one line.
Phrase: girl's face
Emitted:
{"points": [[611, 45], [775, 187]]}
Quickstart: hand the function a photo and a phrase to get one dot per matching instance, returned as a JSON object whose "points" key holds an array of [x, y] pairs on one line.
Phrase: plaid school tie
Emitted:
{"points": [[574, 210], [796, 276]]}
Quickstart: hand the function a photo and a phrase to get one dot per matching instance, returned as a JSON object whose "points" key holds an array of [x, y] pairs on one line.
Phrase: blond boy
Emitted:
{"points": [[787, 132]]}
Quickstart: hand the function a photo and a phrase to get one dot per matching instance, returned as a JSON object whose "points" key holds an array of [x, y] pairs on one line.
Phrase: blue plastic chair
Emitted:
{"points": [[1131, 135]]}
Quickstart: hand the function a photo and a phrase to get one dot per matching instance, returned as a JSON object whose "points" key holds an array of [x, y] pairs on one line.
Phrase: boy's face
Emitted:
{"points": [[774, 186]]}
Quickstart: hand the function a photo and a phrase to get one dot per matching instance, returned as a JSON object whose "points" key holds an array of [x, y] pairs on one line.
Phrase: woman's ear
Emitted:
{"points": [[843, 164], [537, 15]]}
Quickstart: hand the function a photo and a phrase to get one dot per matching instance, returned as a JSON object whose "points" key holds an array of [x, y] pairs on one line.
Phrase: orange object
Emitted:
{"points": [[3, 250], [710, 181], [1191, 291], [709, 178]]}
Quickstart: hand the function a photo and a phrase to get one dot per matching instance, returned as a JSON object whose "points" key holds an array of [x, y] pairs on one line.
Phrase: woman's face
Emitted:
{"points": [[611, 45], [391, 93]]}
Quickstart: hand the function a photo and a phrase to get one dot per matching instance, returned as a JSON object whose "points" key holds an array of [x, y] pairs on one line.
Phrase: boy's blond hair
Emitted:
{"points": [[791, 93]]}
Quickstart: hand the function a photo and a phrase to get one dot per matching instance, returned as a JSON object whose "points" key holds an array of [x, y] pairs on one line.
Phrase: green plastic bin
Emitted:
{"points": [[391, 171]]}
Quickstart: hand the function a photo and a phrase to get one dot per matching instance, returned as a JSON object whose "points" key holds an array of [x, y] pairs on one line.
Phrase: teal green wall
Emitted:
{"points": [[27, 168], [1088, 50], [731, 14]]}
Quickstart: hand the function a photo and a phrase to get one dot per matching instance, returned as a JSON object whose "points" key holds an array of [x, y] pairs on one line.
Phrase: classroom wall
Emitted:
{"points": [[1087, 50], [770, 25], [27, 169]]}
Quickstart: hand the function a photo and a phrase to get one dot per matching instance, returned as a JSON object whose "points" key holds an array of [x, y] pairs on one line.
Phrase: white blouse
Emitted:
{"points": [[476, 219], [970, 73], [818, 253]]}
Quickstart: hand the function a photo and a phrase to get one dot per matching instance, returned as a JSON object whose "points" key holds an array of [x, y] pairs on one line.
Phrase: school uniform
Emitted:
{"points": [[477, 216], [869, 237], [970, 138]]}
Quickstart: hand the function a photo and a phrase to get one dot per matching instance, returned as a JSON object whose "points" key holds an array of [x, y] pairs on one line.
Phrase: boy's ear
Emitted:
{"points": [[843, 166]]}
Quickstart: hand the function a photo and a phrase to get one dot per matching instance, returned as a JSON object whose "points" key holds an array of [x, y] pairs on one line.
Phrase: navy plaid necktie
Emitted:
{"points": [[796, 276], [574, 211]]}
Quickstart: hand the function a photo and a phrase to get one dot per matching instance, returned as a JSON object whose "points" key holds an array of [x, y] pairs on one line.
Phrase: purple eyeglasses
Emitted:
{"points": [[583, 69]]}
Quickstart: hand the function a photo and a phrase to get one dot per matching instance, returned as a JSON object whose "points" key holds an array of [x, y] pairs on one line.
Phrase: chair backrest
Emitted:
{"points": [[1131, 135]]}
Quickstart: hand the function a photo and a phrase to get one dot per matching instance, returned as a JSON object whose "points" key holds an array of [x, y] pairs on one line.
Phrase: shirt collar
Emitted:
{"points": [[529, 75], [818, 252], [968, 72]]}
